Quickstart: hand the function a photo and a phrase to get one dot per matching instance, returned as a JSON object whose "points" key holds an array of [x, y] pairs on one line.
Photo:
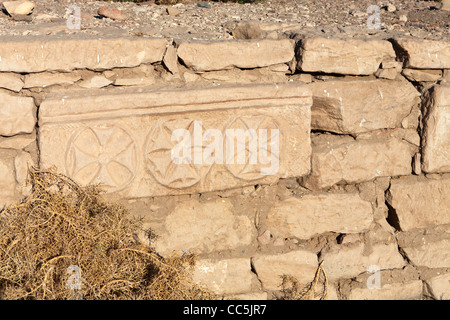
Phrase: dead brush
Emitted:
{"points": [[62, 224], [292, 289]]}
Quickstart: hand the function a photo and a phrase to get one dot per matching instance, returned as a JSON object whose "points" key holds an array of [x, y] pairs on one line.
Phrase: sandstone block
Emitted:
{"points": [[349, 56], [11, 81], [47, 79], [39, 53], [146, 142], [430, 254], [301, 264], [392, 291], [318, 213], [354, 106], [436, 133], [219, 55], [204, 228], [419, 202], [222, 277], [7, 178], [342, 159], [422, 75], [349, 261], [16, 114], [425, 54], [440, 286]]}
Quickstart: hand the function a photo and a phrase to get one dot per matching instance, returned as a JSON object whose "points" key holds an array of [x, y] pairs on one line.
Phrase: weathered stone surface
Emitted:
{"points": [[440, 285], [354, 106], [52, 53], [21, 164], [16, 114], [317, 213], [425, 54], [349, 56], [434, 254], [11, 81], [18, 141], [97, 81], [419, 202], [436, 133], [19, 7], [47, 79], [7, 178], [422, 75], [349, 261], [342, 159], [300, 264], [228, 276], [219, 55], [170, 60], [123, 138], [392, 291], [204, 227], [260, 75]]}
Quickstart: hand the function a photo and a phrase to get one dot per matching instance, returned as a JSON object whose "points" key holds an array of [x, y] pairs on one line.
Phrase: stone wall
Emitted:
{"points": [[359, 176]]}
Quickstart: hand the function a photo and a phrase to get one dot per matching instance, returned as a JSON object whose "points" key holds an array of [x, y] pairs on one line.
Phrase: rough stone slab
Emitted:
{"points": [[436, 133], [392, 291], [349, 56], [204, 227], [219, 55], [354, 106], [16, 114], [47, 53], [342, 262], [342, 159], [425, 54], [11, 81], [422, 75], [430, 254], [318, 213], [122, 137], [7, 178], [47, 79], [230, 276], [440, 286], [300, 264], [419, 202]]}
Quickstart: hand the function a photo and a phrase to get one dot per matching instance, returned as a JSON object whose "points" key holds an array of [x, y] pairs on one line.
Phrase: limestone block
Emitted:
{"points": [[318, 213], [425, 54], [411, 290], [7, 178], [11, 81], [436, 133], [16, 114], [148, 142], [46, 79], [440, 286], [422, 75], [433, 254]]}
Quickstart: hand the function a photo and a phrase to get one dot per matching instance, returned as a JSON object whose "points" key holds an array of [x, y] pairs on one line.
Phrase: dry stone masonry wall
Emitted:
{"points": [[350, 166]]}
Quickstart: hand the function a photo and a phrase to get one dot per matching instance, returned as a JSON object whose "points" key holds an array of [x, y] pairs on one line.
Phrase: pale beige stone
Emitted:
{"points": [[342, 262], [301, 264], [11, 81], [436, 133], [18, 142], [47, 79], [318, 213], [97, 81], [223, 277], [411, 290], [425, 54], [16, 114], [422, 75], [440, 285], [219, 55], [434, 254], [354, 106], [22, 162], [349, 56], [204, 228], [445, 5], [259, 75], [342, 159], [170, 60], [21, 7], [390, 74], [53, 53], [420, 202], [7, 181], [122, 137]]}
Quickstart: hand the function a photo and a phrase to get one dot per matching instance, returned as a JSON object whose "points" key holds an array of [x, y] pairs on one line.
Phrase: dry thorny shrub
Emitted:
{"points": [[292, 289], [62, 224]]}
